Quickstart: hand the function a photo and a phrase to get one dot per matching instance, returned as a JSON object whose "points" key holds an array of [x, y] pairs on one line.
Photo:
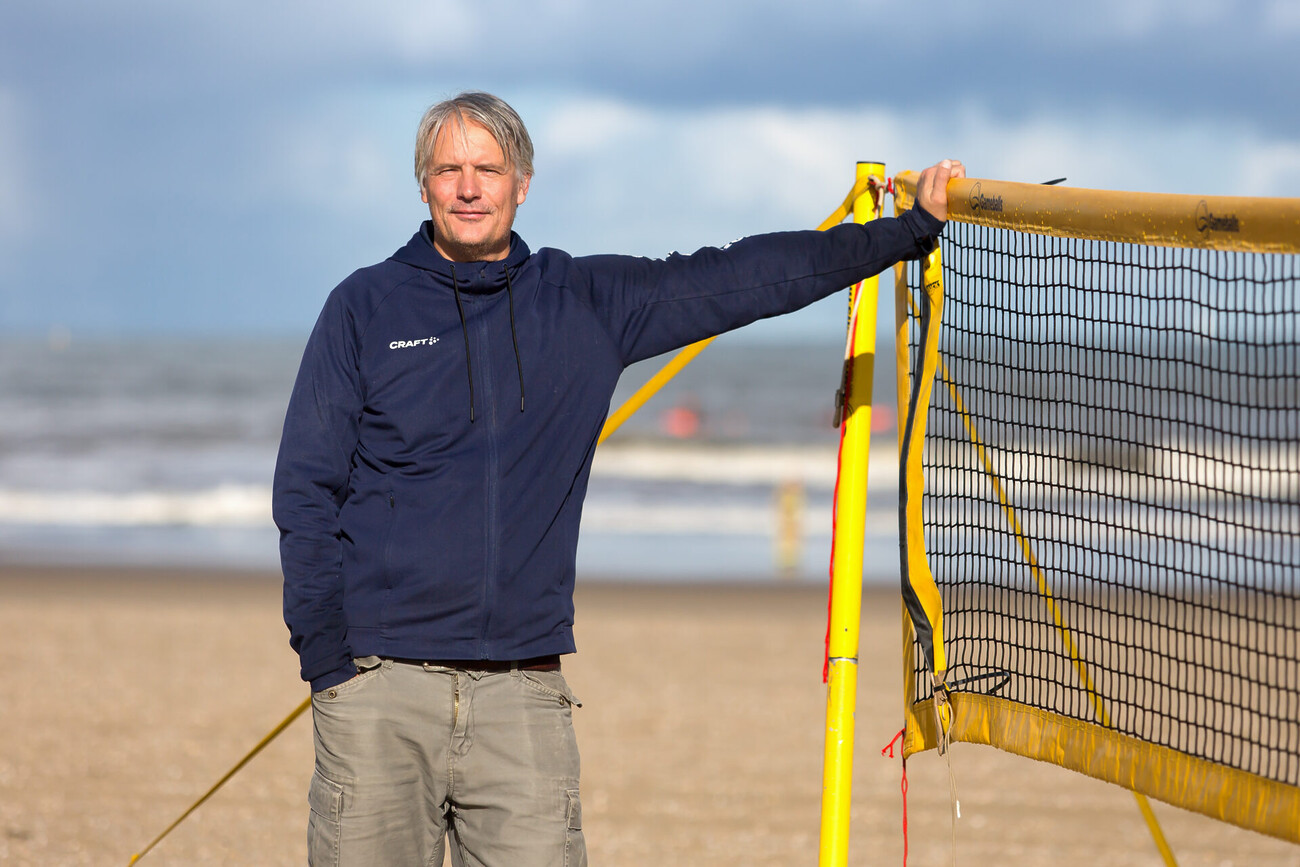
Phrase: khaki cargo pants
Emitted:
{"points": [[411, 755]]}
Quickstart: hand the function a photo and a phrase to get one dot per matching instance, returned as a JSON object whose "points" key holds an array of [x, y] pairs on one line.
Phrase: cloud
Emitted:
{"points": [[619, 174], [1282, 17], [1268, 168], [1232, 58], [326, 159], [280, 134], [1121, 151]]}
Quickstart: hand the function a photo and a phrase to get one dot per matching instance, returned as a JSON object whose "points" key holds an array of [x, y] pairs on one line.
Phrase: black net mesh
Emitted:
{"points": [[1140, 409]]}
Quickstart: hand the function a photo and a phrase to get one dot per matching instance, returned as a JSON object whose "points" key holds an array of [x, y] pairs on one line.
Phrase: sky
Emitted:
{"points": [[215, 168]]}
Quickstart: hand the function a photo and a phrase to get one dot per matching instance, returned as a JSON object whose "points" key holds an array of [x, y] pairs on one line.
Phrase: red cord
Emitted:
{"points": [[835, 502], [830, 585], [904, 788], [888, 750], [889, 189]]}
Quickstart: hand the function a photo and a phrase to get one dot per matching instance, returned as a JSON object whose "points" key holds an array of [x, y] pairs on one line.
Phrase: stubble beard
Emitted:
{"points": [[470, 251]]}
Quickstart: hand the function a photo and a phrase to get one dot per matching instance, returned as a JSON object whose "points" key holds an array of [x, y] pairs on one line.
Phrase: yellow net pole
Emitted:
{"points": [[846, 574]]}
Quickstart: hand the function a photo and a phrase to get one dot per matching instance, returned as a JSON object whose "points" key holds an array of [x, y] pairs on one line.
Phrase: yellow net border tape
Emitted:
{"points": [[1231, 795], [1237, 223]]}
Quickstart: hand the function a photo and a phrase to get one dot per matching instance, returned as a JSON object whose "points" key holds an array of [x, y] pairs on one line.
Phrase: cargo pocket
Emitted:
{"points": [[368, 667], [324, 823], [575, 846], [551, 684]]}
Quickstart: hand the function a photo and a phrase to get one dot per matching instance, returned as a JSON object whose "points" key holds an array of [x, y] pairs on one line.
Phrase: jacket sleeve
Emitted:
{"points": [[652, 306], [311, 483]]}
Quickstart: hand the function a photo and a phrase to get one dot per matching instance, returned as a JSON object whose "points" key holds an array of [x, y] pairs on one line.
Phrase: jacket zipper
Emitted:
{"points": [[490, 482]]}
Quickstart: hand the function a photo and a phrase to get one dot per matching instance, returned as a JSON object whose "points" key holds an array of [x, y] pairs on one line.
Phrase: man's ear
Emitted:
{"points": [[424, 193], [523, 190]]}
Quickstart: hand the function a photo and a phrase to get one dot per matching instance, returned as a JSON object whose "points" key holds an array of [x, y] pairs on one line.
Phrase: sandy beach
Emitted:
{"points": [[131, 692]]}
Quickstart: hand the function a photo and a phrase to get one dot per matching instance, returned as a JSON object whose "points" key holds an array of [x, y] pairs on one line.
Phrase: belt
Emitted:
{"points": [[536, 663]]}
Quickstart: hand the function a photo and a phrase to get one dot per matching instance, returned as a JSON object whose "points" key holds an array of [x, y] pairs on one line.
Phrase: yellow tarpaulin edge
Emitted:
{"points": [[920, 593], [1241, 223], [1229, 794]]}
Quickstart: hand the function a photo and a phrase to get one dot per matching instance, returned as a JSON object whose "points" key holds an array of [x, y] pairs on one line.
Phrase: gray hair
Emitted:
{"points": [[491, 112]]}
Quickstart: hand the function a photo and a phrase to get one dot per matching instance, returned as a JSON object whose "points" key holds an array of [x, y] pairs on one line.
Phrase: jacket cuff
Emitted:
{"points": [[334, 678], [924, 226]]}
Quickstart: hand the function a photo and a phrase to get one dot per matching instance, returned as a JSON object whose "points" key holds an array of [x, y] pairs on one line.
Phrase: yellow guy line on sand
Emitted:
{"points": [[1080, 668], [271, 735], [622, 414]]}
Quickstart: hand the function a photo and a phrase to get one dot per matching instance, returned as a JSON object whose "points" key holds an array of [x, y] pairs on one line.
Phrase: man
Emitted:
{"points": [[430, 480]]}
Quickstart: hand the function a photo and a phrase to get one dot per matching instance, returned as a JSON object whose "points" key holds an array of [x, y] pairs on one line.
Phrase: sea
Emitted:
{"points": [[159, 452]]}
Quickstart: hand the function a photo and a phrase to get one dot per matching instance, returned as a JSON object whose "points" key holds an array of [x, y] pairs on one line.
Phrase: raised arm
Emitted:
{"points": [[652, 306]]}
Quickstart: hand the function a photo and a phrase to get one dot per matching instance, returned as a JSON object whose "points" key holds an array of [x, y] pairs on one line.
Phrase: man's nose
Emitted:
{"points": [[469, 186]]}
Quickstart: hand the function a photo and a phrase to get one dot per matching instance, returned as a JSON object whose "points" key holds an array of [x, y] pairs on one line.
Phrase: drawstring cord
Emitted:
{"points": [[464, 330], [514, 338], [519, 365]]}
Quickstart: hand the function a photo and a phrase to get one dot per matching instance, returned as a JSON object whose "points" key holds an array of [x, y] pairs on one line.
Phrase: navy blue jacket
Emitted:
{"points": [[439, 438]]}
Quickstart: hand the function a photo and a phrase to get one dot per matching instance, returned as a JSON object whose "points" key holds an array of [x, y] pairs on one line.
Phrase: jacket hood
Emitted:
{"points": [[472, 277]]}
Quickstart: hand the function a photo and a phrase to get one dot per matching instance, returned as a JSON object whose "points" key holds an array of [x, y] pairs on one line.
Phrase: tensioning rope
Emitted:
{"points": [[270, 736]]}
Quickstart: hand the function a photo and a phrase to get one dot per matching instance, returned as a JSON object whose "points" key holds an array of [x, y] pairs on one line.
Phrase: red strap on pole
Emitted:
{"points": [[841, 412]]}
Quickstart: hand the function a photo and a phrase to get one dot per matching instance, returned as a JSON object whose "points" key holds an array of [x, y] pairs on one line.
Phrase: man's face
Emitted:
{"points": [[472, 194]]}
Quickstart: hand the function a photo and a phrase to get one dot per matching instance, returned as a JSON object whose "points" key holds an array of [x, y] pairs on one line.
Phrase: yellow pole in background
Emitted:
{"points": [[846, 575]]}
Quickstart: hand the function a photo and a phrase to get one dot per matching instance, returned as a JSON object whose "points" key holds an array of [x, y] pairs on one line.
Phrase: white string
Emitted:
{"points": [[952, 784]]}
